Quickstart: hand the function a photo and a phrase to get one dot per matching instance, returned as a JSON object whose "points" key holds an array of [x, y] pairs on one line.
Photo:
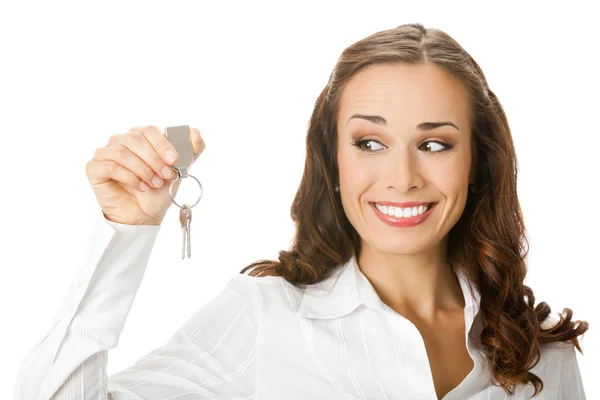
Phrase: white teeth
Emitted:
{"points": [[402, 212]]}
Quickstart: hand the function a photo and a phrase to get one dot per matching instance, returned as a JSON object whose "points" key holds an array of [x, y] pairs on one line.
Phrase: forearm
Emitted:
{"points": [[70, 362]]}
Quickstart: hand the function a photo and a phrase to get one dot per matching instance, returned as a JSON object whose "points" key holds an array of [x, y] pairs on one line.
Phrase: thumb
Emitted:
{"points": [[198, 144]]}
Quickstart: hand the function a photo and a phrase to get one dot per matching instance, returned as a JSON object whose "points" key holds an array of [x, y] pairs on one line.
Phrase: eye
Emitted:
{"points": [[360, 143], [436, 147]]}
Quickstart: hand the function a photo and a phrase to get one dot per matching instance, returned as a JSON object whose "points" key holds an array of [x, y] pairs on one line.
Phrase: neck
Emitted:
{"points": [[419, 286]]}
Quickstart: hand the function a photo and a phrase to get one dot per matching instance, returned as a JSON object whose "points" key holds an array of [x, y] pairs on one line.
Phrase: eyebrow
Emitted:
{"points": [[423, 126]]}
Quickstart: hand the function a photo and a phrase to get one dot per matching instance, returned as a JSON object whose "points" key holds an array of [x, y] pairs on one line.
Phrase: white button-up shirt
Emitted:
{"points": [[259, 338]]}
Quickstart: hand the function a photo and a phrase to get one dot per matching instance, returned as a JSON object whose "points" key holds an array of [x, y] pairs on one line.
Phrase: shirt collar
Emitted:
{"points": [[346, 288]]}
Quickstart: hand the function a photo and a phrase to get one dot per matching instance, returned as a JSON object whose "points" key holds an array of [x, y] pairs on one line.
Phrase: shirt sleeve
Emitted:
{"points": [[571, 385], [210, 356]]}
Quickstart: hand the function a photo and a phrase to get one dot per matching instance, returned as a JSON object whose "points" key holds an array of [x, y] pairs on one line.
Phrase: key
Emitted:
{"points": [[183, 219], [180, 138], [188, 225]]}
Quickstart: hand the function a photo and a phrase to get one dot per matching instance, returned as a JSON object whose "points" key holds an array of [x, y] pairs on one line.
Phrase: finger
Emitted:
{"points": [[198, 144], [101, 171], [162, 146], [142, 144], [125, 157]]}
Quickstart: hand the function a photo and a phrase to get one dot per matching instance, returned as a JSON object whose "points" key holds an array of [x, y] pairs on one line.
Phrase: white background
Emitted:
{"points": [[247, 75]]}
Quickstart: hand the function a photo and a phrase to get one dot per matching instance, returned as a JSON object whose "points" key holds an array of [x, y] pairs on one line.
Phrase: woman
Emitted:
{"points": [[405, 279]]}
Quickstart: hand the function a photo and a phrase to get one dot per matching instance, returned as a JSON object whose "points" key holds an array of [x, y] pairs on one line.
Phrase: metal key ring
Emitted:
{"points": [[178, 178]]}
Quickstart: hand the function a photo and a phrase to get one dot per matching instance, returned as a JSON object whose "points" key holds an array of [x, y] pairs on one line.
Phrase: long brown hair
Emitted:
{"points": [[488, 242]]}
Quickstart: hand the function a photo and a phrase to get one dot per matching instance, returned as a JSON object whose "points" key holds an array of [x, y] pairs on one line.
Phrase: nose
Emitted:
{"points": [[404, 171]]}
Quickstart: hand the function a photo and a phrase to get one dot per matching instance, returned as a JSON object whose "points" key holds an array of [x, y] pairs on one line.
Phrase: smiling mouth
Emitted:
{"points": [[404, 220], [403, 212]]}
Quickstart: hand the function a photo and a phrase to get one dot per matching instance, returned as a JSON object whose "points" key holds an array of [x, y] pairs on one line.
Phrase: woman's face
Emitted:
{"points": [[403, 155]]}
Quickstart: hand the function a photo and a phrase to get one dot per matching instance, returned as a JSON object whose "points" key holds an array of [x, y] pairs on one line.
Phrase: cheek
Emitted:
{"points": [[355, 180], [451, 181], [349, 169], [453, 176], [358, 170]]}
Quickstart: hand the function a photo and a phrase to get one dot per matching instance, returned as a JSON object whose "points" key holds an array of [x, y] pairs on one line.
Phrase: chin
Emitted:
{"points": [[399, 245]]}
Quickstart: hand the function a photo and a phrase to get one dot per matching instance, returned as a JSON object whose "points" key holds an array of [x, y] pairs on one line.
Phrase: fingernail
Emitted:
{"points": [[170, 156], [157, 181], [167, 172]]}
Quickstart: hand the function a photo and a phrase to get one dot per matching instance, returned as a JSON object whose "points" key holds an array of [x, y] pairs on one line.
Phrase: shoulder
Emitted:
{"points": [[550, 321], [560, 356], [247, 283], [554, 356], [273, 289], [556, 349]]}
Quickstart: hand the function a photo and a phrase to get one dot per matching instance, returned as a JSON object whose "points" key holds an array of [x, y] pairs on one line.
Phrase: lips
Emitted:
{"points": [[401, 221], [403, 205]]}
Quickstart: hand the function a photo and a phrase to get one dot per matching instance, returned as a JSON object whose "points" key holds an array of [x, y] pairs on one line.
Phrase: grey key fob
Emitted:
{"points": [[181, 138]]}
